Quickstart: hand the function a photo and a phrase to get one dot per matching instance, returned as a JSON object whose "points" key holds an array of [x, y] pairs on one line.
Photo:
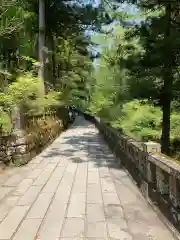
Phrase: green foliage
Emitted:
{"points": [[24, 92], [140, 120], [74, 70], [136, 75], [68, 65], [23, 89], [143, 60], [112, 86], [5, 122], [48, 103]]}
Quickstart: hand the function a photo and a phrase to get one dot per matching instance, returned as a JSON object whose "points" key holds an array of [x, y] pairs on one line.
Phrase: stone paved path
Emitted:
{"points": [[75, 190]]}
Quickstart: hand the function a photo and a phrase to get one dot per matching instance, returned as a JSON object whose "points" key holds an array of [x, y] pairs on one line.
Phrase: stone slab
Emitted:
{"points": [[28, 230], [76, 208], [94, 194], [95, 213], [22, 187], [9, 225], [53, 221], [29, 197], [97, 230], [73, 228], [40, 206], [51, 185], [4, 191], [7, 205]]}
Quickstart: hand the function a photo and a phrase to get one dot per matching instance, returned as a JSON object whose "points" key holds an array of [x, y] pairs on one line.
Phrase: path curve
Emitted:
{"points": [[75, 190]]}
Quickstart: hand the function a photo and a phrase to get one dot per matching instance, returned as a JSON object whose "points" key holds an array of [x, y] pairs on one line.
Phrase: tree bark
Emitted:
{"points": [[41, 43], [50, 68], [53, 60], [167, 87], [166, 108]]}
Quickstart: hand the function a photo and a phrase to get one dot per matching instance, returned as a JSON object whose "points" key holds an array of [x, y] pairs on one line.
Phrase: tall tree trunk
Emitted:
{"points": [[166, 108], [36, 47], [53, 59], [41, 43], [168, 83], [49, 77]]}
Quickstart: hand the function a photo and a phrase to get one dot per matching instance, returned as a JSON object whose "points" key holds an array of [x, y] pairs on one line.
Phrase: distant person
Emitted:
{"points": [[71, 115]]}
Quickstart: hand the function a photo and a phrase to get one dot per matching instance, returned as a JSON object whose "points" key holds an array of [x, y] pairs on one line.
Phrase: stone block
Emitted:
{"points": [[28, 229], [151, 172], [162, 184], [73, 228], [35, 173], [174, 191], [151, 147], [111, 199], [44, 176], [117, 232], [107, 185], [12, 221], [94, 194], [95, 213], [51, 185], [53, 221], [30, 195], [7, 205], [21, 149], [144, 188], [76, 207], [41, 205], [22, 187], [14, 180], [62, 194], [114, 211], [97, 230]]}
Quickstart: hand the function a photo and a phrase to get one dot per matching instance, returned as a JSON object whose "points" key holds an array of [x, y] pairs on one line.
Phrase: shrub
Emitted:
{"points": [[175, 125], [21, 92], [24, 92], [140, 120], [5, 122], [24, 89], [43, 105]]}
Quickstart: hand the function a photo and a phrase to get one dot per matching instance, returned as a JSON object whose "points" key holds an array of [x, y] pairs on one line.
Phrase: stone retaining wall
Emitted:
{"points": [[39, 131], [157, 176]]}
